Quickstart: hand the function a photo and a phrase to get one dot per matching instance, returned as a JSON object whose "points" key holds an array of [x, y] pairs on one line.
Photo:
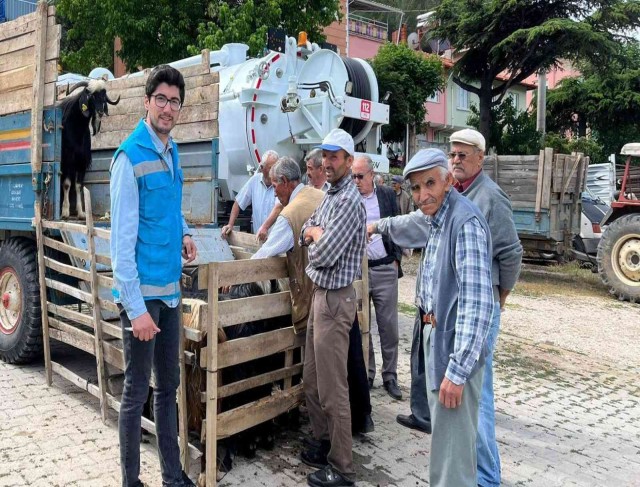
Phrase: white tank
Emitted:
{"points": [[288, 101]]}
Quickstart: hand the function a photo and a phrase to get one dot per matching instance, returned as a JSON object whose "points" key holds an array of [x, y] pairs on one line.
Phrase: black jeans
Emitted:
{"points": [[161, 353]]}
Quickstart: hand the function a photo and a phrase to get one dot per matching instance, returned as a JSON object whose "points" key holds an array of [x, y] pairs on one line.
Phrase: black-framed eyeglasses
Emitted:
{"points": [[461, 155], [161, 102], [359, 177]]}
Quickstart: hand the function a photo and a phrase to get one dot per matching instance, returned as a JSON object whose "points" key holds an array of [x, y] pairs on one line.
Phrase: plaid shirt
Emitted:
{"points": [[335, 260], [475, 295]]}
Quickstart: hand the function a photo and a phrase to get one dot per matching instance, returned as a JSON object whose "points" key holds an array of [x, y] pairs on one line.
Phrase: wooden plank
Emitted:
{"points": [[43, 290], [243, 239], [102, 378], [240, 272], [17, 59], [69, 227], [195, 131], [194, 335], [240, 350], [52, 50], [105, 281], [103, 259], [102, 233], [288, 362], [67, 270], [240, 254], [66, 249], [38, 80], [20, 26], [70, 314], [70, 290], [210, 429], [189, 114], [254, 308], [182, 393], [546, 179], [249, 415], [17, 101], [109, 306], [259, 380], [72, 336]]}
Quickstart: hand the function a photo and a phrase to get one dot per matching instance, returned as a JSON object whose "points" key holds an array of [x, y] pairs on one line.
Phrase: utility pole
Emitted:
{"points": [[541, 124]]}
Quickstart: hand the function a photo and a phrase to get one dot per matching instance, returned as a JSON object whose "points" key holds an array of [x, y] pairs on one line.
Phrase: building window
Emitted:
{"points": [[435, 98], [515, 100], [463, 99]]}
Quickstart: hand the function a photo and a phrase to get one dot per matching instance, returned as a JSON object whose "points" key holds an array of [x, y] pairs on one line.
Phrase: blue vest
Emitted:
{"points": [[159, 245], [446, 288]]}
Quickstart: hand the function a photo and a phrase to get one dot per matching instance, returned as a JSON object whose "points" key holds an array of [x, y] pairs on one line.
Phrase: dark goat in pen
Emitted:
{"points": [[89, 104]]}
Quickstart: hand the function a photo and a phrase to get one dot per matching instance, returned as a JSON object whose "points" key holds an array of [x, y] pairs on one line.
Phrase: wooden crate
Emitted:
{"points": [[215, 356], [545, 192], [72, 313]]}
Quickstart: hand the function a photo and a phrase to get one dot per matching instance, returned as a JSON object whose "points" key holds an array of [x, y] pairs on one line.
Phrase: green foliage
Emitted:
{"points": [[512, 131], [601, 95], [151, 33], [520, 37], [84, 44], [412, 78], [588, 146], [248, 21]]}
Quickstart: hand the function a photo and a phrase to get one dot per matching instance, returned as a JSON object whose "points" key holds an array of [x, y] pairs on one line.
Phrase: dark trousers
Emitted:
{"points": [[161, 353], [359, 396], [419, 400]]}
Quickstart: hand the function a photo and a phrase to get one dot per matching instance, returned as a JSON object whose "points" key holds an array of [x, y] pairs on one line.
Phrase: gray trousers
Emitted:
{"points": [[453, 458], [383, 291], [325, 372], [419, 401]]}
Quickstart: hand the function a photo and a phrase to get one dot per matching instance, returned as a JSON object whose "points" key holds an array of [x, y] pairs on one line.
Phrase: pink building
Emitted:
{"points": [[566, 70]]}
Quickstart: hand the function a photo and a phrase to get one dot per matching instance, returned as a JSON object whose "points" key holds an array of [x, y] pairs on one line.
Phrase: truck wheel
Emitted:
{"points": [[619, 257], [20, 322]]}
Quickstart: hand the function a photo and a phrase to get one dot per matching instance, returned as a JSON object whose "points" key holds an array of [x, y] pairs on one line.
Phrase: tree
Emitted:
{"points": [[519, 38], [411, 78], [587, 105], [155, 33], [512, 131], [248, 21]]}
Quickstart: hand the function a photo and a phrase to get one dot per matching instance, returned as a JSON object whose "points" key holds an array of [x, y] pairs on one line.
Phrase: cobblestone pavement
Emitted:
{"points": [[563, 419]]}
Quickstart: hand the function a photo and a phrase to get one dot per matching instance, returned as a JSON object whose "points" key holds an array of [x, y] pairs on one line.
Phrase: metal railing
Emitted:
{"points": [[373, 29]]}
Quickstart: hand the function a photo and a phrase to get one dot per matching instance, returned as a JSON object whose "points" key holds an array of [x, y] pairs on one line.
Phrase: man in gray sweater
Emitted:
{"points": [[465, 162]]}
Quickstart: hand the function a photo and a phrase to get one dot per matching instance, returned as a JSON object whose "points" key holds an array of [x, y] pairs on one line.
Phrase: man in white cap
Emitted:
{"points": [[336, 236], [455, 303], [257, 192], [465, 161]]}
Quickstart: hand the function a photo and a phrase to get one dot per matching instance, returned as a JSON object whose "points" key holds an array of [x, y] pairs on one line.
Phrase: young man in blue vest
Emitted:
{"points": [[454, 295], [148, 237]]}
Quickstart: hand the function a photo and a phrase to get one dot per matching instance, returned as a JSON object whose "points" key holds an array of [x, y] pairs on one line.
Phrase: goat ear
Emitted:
{"points": [[96, 121], [83, 101]]}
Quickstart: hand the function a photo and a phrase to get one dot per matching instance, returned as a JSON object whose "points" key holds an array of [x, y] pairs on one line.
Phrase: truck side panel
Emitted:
{"points": [[17, 195]]}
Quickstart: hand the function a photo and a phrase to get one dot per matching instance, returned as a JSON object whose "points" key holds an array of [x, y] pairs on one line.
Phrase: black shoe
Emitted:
{"points": [[316, 457], [328, 477], [311, 442], [368, 424], [411, 422], [370, 383], [391, 386], [185, 481]]}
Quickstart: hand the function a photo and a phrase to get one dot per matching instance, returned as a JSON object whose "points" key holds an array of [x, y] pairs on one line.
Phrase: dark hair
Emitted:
{"points": [[164, 74]]}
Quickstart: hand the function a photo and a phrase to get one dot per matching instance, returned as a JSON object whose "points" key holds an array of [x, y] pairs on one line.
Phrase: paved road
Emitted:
{"points": [[563, 420]]}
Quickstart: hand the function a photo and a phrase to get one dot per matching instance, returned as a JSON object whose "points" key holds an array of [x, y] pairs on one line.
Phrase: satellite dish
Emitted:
{"points": [[413, 41]]}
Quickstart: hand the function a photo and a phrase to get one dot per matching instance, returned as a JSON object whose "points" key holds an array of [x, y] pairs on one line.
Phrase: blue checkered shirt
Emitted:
{"points": [[475, 295], [335, 260]]}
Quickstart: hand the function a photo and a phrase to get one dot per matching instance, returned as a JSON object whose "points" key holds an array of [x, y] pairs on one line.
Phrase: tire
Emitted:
{"points": [[20, 319], [619, 258]]}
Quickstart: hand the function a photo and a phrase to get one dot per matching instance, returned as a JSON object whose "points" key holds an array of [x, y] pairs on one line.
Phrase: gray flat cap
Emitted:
{"points": [[425, 159]]}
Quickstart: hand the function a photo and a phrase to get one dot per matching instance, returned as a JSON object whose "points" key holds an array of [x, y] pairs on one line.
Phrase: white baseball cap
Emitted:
{"points": [[469, 137], [338, 139]]}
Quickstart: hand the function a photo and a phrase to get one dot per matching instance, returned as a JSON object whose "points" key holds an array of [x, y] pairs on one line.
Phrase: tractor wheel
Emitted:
{"points": [[619, 258], [20, 322]]}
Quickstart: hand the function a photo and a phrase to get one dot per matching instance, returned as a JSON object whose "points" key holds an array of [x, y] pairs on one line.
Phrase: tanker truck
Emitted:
{"points": [[235, 109]]}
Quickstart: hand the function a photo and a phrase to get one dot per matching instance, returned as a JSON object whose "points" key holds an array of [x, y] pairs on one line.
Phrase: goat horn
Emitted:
{"points": [[80, 84], [111, 102]]}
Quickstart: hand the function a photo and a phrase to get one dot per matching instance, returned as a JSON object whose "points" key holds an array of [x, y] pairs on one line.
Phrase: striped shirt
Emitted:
{"points": [[475, 295], [335, 260]]}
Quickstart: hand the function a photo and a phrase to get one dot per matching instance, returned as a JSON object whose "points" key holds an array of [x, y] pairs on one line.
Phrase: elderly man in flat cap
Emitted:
{"points": [[402, 198], [465, 161], [455, 304]]}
